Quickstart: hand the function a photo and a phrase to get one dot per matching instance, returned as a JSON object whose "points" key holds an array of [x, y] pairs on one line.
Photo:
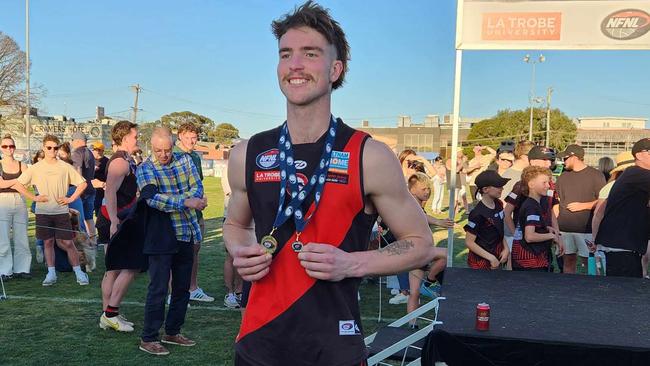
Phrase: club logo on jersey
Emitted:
{"points": [[300, 164], [348, 327], [302, 182], [339, 162], [337, 178], [268, 159], [267, 176]]}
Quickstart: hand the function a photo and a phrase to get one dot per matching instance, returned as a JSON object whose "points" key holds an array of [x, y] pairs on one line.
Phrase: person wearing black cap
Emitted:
{"points": [[543, 157], [484, 228], [623, 232], [578, 187], [535, 235]]}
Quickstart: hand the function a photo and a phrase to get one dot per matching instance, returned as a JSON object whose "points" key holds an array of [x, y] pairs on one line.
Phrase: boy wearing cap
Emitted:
{"points": [[484, 229], [578, 187], [623, 232]]}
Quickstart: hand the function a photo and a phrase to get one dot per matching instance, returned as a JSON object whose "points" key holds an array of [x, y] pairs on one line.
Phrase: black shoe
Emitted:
{"points": [[23, 275]]}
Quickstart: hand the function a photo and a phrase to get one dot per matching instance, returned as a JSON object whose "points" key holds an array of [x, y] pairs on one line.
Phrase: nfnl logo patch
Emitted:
{"points": [[348, 327], [266, 177], [339, 162], [268, 159]]}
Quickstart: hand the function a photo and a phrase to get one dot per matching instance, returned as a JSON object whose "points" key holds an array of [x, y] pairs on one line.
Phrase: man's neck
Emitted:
{"points": [[578, 166], [642, 164], [488, 201], [50, 160], [308, 123], [184, 148]]}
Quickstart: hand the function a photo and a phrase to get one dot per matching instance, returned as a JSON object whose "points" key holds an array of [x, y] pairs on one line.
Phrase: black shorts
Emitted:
{"points": [[54, 227]]}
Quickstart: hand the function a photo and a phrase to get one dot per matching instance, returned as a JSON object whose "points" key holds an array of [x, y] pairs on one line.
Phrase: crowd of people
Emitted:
{"points": [[302, 201]]}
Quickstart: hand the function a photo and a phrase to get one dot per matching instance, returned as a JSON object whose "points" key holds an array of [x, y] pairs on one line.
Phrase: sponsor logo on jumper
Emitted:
{"points": [[267, 176], [268, 159], [339, 162], [300, 164], [537, 26], [302, 182], [627, 24], [337, 178], [348, 327]]}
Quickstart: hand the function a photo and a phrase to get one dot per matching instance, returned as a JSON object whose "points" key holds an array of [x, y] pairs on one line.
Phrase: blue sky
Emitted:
{"points": [[218, 58]]}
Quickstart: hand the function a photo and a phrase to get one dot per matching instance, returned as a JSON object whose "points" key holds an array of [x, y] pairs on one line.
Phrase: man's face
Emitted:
{"points": [[569, 162], [130, 141], [307, 66], [643, 159], [494, 192], [541, 162], [98, 154], [50, 149], [188, 140], [540, 184], [421, 191], [505, 160], [162, 149]]}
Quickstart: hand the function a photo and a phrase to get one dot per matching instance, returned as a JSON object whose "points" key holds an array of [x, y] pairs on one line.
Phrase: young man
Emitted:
{"points": [[188, 134], [623, 232], [100, 175], [179, 193], [52, 177], [312, 206], [578, 187], [84, 161]]}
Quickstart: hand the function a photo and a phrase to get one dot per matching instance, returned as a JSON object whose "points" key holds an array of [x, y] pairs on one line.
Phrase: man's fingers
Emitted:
{"points": [[253, 270], [247, 262], [319, 275], [314, 257], [248, 251], [316, 248], [256, 276], [316, 266]]}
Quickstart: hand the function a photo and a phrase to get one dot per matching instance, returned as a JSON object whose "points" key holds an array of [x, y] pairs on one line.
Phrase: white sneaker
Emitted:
{"points": [[115, 323], [82, 279], [394, 291], [230, 301], [398, 299], [125, 321], [199, 295], [50, 279]]}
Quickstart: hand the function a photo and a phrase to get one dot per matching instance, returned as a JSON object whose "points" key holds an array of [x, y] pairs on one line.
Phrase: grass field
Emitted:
{"points": [[58, 325]]}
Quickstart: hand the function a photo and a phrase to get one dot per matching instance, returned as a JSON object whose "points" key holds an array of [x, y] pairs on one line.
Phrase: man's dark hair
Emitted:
{"points": [[318, 18], [51, 138], [121, 129]]}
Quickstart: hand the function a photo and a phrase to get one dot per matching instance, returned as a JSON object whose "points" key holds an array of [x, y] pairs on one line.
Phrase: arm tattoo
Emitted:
{"points": [[397, 247]]}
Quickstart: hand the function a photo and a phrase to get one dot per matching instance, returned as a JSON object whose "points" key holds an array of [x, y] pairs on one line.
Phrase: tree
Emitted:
{"points": [[175, 119], [223, 134], [12, 76], [514, 125]]}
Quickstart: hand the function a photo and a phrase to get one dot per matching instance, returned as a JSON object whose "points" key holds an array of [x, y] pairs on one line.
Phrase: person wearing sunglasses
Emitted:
{"points": [[504, 161], [51, 177], [13, 217]]}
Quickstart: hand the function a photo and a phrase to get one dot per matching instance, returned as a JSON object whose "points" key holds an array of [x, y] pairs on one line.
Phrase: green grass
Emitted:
{"points": [[58, 325]]}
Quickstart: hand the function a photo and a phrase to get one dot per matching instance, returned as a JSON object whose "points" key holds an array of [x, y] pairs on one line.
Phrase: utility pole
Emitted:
{"points": [[548, 116], [137, 89], [28, 128]]}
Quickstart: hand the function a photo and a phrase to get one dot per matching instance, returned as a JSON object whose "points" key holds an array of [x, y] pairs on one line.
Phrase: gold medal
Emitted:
{"points": [[269, 244]]}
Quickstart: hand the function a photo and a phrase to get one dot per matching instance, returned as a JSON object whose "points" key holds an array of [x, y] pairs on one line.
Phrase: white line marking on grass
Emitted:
{"points": [[141, 304]]}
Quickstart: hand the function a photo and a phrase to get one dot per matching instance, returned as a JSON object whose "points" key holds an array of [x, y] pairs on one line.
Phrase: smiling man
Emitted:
{"points": [[304, 198]]}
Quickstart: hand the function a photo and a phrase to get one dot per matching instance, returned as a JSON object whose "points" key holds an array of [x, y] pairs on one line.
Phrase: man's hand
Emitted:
{"points": [[446, 223], [196, 203], [64, 201], [577, 206], [326, 262], [252, 262], [41, 198], [494, 262]]}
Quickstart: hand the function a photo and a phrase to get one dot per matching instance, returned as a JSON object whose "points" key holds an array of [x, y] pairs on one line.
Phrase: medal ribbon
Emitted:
{"points": [[288, 177]]}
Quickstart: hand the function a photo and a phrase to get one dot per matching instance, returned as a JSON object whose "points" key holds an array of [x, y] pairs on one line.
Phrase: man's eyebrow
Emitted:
{"points": [[306, 48]]}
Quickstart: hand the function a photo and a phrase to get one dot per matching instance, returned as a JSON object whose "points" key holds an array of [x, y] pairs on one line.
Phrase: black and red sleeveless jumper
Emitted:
{"points": [[291, 318]]}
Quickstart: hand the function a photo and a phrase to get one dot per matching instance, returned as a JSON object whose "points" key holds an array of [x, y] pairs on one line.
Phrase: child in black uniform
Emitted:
{"points": [[484, 228]]}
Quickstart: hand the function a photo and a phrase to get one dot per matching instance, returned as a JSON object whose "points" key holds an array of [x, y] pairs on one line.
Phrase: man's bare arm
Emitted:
{"points": [[399, 210]]}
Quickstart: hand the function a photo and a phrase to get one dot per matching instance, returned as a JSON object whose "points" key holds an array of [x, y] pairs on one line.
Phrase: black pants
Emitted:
{"points": [[160, 267], [624, 264]]}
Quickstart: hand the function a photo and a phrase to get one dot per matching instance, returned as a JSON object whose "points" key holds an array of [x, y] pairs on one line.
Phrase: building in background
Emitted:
{"points": [[431, 135], [608, 136]]}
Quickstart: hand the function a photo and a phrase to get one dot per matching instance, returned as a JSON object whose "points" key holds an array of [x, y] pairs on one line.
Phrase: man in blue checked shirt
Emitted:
{"points": [[180, 194]]}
